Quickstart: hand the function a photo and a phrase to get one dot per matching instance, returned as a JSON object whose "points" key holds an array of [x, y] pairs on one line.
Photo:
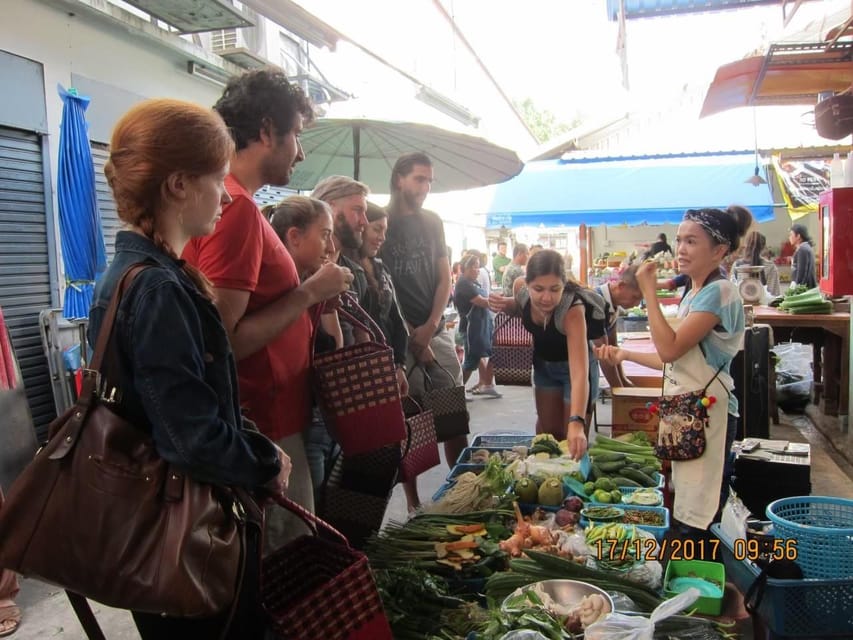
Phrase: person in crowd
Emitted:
{"points": [[175, 368], [698, 352], [415, 255], [619, 295], [10, 613], [347, 199], [264, 306], [380, 300], [533, 249], [751, 256], [555, 316], [500, 261], [515, 270], [305, 227], [802, 264], [472, 301], [483, 280], [660, 245]]}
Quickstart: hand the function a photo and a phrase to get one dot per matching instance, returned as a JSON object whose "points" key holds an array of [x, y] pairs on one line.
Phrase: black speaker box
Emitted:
{"points": [[751, 372]]}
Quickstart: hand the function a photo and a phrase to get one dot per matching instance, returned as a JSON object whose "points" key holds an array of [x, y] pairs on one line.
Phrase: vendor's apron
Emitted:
{"points": [[697, 482]]}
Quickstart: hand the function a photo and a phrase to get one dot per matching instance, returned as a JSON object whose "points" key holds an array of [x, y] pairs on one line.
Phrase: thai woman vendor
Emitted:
{"points": [[697, 352]]}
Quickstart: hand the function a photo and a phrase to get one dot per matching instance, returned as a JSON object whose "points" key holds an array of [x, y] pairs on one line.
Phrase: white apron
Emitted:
{"points": [[697, 482]]}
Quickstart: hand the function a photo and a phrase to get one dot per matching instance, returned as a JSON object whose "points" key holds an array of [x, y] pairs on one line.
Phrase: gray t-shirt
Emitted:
{"points": [[412, 246]]}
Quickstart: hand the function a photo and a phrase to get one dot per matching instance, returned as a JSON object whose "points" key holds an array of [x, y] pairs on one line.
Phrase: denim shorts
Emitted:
{"points": [[554, 376]]}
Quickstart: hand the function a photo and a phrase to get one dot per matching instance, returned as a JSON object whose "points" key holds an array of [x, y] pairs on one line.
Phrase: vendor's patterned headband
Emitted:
{"points": [[715, 222]]}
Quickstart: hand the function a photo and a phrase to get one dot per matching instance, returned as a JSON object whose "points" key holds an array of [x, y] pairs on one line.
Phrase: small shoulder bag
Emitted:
{"points": [[683, 420]]}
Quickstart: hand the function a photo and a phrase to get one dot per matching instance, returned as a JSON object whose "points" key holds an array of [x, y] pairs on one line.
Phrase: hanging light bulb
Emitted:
{"points": [[755, 179]]}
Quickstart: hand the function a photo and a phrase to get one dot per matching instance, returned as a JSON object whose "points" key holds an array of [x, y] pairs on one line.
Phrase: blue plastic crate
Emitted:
{"points": [[657, 532], [459, 469], [823, 529], [794, 608], [441, 491], [501, 439], [465, 456], [628, 490]]}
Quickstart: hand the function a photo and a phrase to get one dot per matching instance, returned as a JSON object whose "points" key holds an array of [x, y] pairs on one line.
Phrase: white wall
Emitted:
{"points": [[106, 54]]}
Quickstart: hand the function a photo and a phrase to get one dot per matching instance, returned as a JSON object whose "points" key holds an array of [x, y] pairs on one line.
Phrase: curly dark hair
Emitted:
{"points": [[253, 100]]}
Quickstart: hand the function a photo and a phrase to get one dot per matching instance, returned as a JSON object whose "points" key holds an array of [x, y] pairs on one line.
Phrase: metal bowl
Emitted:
{"points": [[563, 592]]}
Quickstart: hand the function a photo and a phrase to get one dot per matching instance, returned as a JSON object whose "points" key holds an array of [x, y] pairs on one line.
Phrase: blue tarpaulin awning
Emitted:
{"points": [[647, 190]]}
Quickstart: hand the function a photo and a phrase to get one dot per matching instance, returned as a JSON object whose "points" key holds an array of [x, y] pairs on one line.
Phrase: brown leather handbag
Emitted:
{"points": [[100, 513]]}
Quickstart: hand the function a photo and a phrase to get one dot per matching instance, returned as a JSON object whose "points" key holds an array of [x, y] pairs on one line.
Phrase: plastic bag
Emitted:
{"points": [[734, 517], [617, 626], [794, 375]]}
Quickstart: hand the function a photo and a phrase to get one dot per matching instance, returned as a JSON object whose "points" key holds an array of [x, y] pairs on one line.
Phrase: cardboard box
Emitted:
{"points": [[630, 412]]}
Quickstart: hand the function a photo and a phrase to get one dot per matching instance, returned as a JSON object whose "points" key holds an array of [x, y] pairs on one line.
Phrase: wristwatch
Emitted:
{"points": [[580, 419]]}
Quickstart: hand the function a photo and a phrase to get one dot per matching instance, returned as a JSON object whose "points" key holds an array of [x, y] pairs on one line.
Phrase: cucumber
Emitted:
{"points": [[610, 467], [606, 456], [626, 482], [649, 470], [594, 472], [639, 476]]}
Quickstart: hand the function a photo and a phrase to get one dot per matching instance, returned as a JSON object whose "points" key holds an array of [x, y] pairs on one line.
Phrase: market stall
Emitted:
{"points": [[521, 537]]}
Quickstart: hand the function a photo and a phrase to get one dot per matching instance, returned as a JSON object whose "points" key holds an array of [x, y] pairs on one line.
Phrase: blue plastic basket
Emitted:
{"points": [[629, 490], [657, 532], [794, 608], [441, 491], [823, 529], [459, 469], [501, 439], [465, 456]]}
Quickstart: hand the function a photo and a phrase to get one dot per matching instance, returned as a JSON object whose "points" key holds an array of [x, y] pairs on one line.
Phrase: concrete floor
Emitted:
{"points": [[46, 613]]}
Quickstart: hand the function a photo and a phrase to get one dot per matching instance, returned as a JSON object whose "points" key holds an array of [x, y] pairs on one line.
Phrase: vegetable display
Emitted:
{"points": [[628, 464], [809, 301]]}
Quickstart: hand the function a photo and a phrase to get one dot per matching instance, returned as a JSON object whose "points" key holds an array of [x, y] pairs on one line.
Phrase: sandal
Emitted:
{"points": [[10, 619]]}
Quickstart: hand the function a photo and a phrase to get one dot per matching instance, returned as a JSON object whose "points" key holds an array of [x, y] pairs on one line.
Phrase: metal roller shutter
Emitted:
{"points": [[24, 263], [107, 206]]}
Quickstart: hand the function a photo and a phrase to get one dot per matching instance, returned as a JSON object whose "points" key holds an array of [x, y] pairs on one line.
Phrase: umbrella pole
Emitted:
{"points": [[356, 151]]}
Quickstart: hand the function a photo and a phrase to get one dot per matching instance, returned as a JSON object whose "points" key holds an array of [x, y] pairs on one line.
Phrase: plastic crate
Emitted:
{"points": [[823, 529], [459, 469], [794, 608], [712, 571], [465, 456], [629, 490], [441, 491], [501, 439], [657, 532]]}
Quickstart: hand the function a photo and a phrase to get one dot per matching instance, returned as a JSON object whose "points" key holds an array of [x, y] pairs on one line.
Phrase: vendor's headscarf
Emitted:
{"points": [[721, 226], [335, 187]]}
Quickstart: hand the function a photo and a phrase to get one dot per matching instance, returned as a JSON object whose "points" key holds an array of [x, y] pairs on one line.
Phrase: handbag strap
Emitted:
{"points": [[313, 522], [704, 389], [358, 316], [427, 378], [410, 400], [349, 309], [84, 614], [92, 375]]}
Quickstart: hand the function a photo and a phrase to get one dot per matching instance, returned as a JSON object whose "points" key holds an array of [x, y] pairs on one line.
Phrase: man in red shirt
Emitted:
{"points": [[263, 305]]}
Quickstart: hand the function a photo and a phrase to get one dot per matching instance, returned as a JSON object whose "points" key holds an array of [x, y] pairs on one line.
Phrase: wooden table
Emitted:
{"points": [[829, 335]]}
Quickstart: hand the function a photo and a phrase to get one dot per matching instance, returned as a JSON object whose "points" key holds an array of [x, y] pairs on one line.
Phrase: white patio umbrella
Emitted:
{"points": [[367, 150]]}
